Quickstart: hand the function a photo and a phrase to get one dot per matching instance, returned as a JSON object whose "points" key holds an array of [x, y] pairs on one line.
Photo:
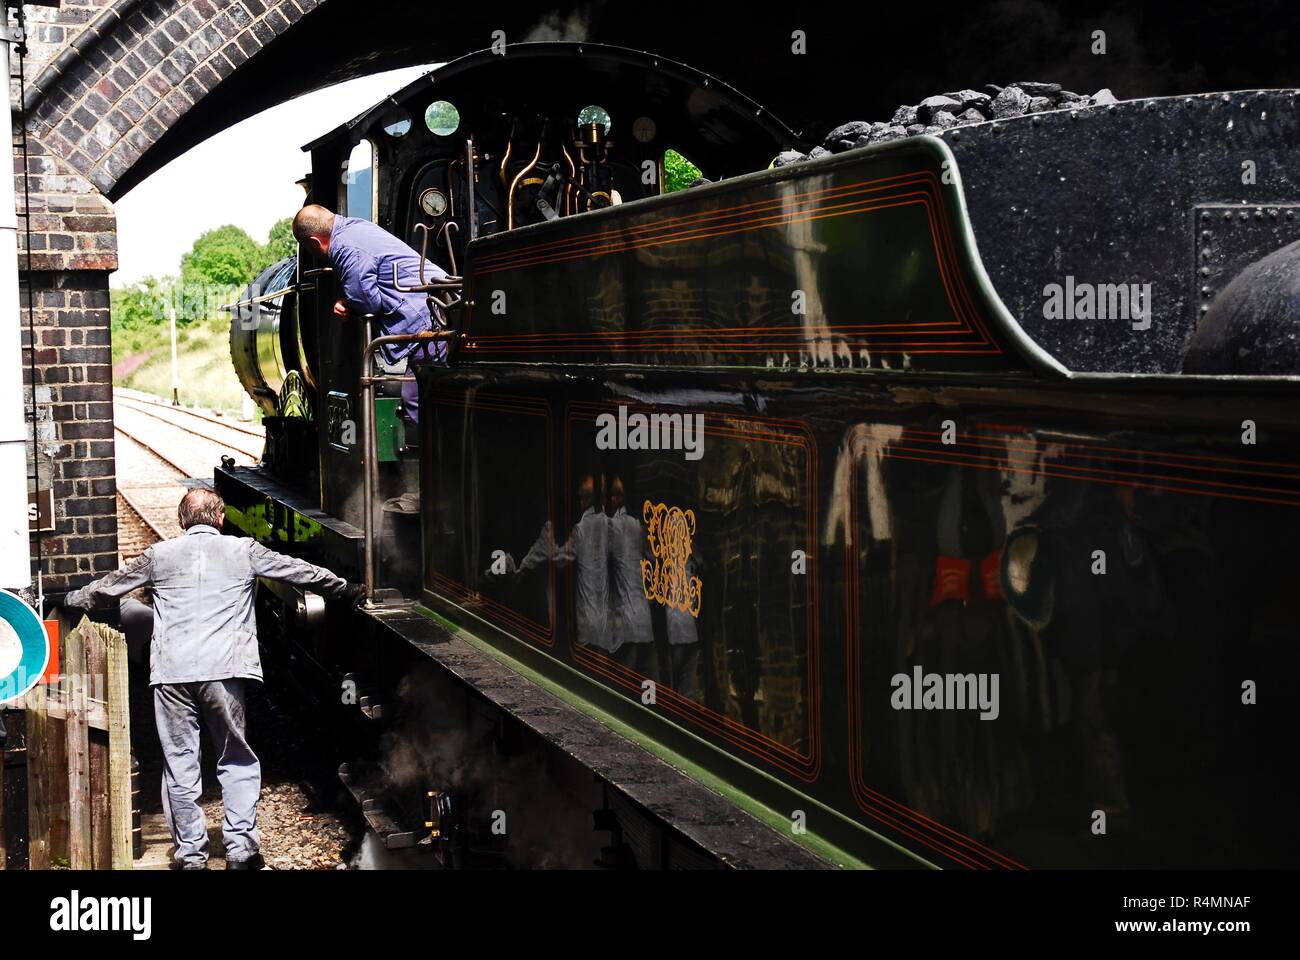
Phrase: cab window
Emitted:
{"points": [[358, 182]]}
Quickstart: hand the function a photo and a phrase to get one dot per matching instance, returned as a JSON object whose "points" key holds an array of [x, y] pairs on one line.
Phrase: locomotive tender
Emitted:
{"points": [[803, 524]]}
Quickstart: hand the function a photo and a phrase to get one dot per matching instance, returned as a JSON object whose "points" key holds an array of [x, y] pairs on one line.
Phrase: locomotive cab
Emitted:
{"points": [[481, 146]]}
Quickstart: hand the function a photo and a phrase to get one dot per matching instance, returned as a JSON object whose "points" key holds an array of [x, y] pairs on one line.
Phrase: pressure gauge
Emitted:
{"points": [[644, 129], [433, 203]]}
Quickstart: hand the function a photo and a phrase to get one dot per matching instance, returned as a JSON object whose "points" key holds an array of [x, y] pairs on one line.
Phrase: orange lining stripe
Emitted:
{"points": [[945, 256], [704, 216]]}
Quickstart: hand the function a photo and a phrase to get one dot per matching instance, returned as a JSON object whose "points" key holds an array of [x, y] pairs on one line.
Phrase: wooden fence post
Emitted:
{"points": [[119, 750], [96, 639], [78, 738], [38, 781]]}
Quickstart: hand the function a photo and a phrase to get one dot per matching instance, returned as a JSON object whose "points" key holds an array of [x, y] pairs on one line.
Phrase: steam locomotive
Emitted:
{"points": [[788, 519]]}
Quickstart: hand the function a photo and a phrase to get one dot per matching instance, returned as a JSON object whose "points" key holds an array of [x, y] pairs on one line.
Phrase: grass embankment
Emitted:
{"points": [[142, 360]]}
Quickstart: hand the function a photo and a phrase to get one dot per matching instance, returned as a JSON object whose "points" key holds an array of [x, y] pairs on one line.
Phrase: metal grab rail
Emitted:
{"points": [[253, 301], [370, 469], [451, 283]]}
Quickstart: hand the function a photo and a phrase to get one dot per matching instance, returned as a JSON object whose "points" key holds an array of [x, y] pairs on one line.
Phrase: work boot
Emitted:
{"points": [[255, 862]]}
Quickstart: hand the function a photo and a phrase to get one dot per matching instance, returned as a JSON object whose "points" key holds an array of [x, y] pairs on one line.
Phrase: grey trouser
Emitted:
{"points": [[178, 708]]}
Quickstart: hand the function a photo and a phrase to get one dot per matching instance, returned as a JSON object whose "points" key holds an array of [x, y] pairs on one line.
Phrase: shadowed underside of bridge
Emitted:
{"points": [[117, 88]]}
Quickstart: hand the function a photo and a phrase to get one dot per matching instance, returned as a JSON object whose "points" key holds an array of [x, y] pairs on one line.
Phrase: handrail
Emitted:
{"points": [[370, 466], [292, 288], [446, 236], [451, 283]]}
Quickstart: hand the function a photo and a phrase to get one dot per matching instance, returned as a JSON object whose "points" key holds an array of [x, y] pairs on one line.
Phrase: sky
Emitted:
{"points": [[246, 175]]}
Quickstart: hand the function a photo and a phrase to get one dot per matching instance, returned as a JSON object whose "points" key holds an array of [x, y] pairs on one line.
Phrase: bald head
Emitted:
{"points": [[201, 505], [312, 225]]}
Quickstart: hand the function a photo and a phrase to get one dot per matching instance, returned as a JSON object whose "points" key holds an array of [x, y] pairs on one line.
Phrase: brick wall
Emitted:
{"points": [[74, 420]]}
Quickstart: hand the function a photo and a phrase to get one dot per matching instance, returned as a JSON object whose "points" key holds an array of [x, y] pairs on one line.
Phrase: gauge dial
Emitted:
{"points": [[433, 203]]}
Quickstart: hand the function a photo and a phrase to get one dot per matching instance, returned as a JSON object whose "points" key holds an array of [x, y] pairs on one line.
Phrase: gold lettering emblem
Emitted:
{"points": [[665, 580]]}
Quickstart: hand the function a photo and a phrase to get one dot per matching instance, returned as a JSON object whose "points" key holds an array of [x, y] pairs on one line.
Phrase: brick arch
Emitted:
{"points": [[140, 72]]}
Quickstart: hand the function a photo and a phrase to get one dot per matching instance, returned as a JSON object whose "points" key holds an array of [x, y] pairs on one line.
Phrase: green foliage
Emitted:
{"points": [[281, 242], [219, 265], [679, 172], [140, 305], [226, 256], [214, 272]]}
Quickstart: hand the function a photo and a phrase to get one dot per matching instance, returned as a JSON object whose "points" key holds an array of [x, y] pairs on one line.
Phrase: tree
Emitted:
{"points": [[281, 242], [226, 256], [142, 304]]}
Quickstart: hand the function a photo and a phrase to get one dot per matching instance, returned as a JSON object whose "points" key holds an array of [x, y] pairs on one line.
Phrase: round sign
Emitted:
{"points": [[24, 647]]}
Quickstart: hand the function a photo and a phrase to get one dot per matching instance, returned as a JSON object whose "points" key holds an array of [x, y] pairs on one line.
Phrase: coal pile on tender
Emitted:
{"points": [[934, 115]]}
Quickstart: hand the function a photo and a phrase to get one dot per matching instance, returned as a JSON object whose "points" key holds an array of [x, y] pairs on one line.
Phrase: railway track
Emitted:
{"points": [[188, 441], [161, 452], [148, 490], [245, 438]]}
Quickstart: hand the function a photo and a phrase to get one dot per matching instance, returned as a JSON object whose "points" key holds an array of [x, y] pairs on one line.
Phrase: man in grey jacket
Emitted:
{"points": [[203, 650]]}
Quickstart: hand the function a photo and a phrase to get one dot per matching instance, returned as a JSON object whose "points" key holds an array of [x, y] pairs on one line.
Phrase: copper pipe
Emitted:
{"points": [[446, 236]]}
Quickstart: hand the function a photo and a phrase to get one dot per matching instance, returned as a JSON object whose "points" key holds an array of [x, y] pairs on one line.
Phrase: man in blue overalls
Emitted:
{"points": [[363, 256]]}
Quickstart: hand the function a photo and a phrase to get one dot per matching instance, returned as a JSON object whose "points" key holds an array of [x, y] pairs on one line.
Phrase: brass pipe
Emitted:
{"points": [[505, 157], [568, 185], [510, 197]]}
